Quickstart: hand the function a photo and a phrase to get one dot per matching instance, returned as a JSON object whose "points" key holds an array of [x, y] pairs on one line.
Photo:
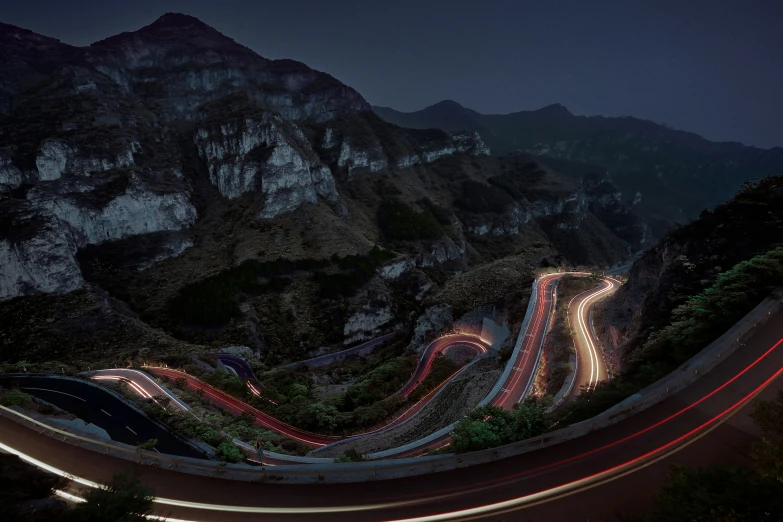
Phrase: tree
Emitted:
{"points": [[530, 419], [768, 453], [483, 428], [718, 494], [124, 499], [228, 452]]}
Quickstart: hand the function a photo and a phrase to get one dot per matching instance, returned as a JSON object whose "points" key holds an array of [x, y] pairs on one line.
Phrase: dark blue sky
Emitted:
{"points": [[711, 67]]}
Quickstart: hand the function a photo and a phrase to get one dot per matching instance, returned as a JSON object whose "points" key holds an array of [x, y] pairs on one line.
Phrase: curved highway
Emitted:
{"points": [[94, 405], [696, 425], [315, 440], [590, 366]]}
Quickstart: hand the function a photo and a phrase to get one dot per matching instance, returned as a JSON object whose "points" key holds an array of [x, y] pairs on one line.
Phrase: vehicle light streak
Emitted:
{"points": [[595, 359], [544, 495], [489, 483], [570, 487], [543, 283]]}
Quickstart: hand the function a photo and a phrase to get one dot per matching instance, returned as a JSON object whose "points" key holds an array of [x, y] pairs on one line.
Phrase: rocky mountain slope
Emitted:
{"points": [[667, 175], [194, 188], [688, 260]]}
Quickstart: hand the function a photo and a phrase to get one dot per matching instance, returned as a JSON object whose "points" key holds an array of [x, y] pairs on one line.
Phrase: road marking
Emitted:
{"points": [[106, 412], [131, 431], [55, 391]]}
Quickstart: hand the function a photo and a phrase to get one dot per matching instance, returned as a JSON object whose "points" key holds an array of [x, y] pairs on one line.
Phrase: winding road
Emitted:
{"points": [[703, 423], [590, 365], [315, 440]]}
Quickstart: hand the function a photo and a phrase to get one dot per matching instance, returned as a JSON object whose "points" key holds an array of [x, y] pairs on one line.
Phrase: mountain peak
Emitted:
{"points": [[446, 104], [556, 109], [179, 20]]}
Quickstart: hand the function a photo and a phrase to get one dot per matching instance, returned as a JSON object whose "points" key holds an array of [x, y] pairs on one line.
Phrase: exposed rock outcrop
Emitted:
{"points": [[268, 155], [430, 323]]}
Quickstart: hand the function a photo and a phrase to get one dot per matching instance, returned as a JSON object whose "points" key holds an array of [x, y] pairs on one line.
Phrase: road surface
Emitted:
{"points": [[569, 481], [94, 405], [315, 440], [329, 358], [590, 366], [523, 373]]}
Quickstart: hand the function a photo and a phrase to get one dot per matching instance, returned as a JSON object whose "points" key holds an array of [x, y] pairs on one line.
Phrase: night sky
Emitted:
{"points": [[711, 67]]}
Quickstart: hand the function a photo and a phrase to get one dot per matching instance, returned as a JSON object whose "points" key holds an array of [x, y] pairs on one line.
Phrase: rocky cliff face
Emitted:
{"points": [[265, 155], [101, 148], [178, 62]]}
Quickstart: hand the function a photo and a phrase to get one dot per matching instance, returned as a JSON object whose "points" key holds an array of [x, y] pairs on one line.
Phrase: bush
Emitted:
{"points": [[228, 452], [351, 455], [124, 499], [16, 398], [728, 494], [148, 445], [490, 426], [398, 220], [768, 453]]}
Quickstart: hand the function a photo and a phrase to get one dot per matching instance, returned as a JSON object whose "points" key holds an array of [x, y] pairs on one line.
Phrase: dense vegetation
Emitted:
{"points": [[480, 198], [696, 323], [730, 494], [490, 426], [398, 220], [213, 301]]}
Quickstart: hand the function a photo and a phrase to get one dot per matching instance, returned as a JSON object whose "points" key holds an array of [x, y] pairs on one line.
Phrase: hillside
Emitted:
{"points": [[667, 175], [690, 259], [168, 190]]}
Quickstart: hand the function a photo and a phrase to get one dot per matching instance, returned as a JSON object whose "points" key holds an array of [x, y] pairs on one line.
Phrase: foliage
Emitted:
{"points": [[398, 220], [148, 444], [490, 426], [16, 398], [483, 428], [357, 270], [124, 499], [718, 494], [768, 453], [21, 482], [228, 452], [702, 319], [213, 301], [480, 198], [350, 455]]}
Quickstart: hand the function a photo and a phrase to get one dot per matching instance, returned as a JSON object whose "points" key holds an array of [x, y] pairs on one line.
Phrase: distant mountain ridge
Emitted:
{"points": [[669, 175]]}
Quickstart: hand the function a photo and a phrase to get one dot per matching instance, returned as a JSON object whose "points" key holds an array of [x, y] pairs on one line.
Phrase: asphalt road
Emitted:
{"points": [[521, 377], [590, 365], [140, 383], [693, 426], [313, 439], [93, 405]]}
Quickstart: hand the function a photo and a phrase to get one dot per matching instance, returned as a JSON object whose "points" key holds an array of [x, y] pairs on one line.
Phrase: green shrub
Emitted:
{"points": [[124, 499], [228, 452], [16, 398], [490, 426], [351, 455]]}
